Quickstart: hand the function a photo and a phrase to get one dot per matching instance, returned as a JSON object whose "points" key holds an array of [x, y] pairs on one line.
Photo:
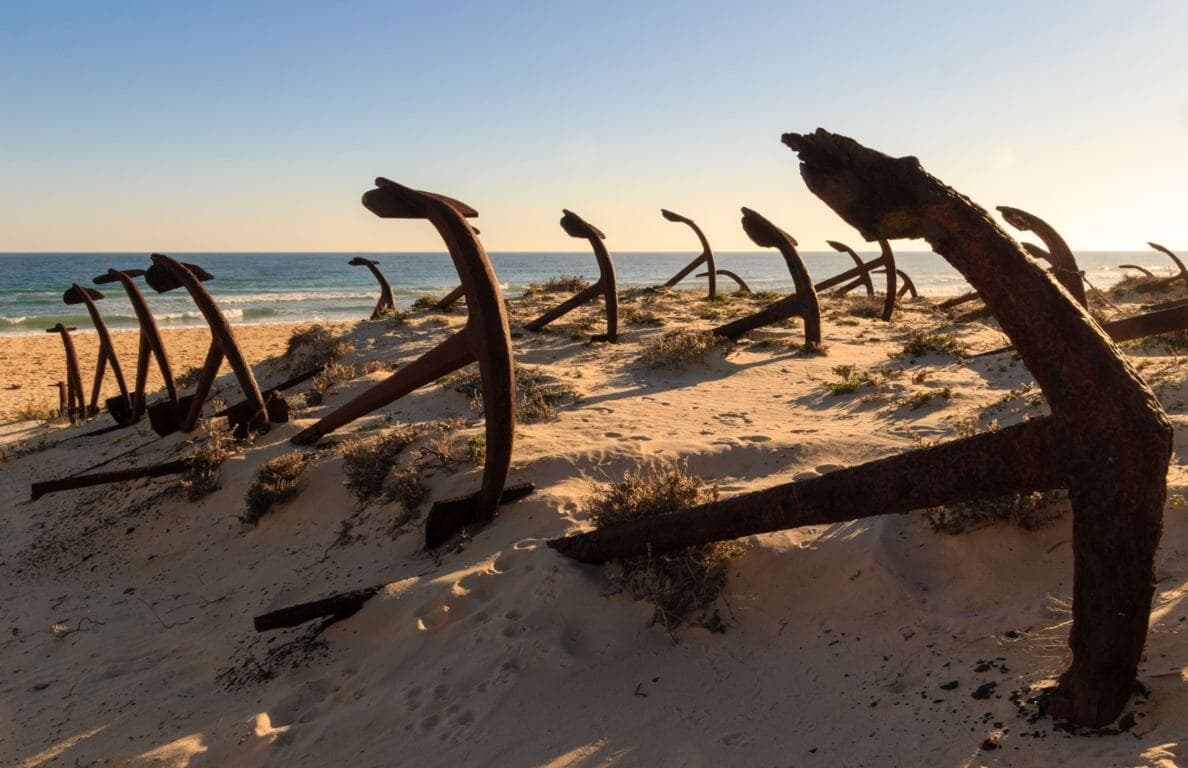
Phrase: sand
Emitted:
{"points": [[127, 636]]}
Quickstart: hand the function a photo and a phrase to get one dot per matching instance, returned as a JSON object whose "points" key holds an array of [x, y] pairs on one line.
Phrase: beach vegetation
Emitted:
{"points": [[682, 586], [277, 480], [675, 349]]}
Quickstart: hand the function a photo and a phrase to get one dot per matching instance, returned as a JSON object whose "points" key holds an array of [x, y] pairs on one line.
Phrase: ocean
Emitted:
{"points": [[295, 287]]}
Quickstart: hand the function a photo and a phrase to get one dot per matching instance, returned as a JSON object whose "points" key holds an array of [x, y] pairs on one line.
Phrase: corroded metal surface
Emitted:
{"points": [[150, 345], [167, 274], [706, 257], [484, 338], [107, 354], [1109, 443], [803, 303], [387, 301], [576, 226]]}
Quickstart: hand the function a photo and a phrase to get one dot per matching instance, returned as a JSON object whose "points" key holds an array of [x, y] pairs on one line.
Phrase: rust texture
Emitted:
{"points": [[166, 274], [706, 257], [150, 344], [802, 303], [387, 302], [484, 338], [576, 226], [76, 407], [1107, 440], [107, 354]]}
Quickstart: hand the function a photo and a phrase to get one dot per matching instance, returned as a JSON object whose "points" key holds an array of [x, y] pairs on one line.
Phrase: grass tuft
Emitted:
{"points": [[367, 461], [277, 481], [312, 345], [1030, 511], [681, 585], [921, 343], [678, 348], [538, 394]]}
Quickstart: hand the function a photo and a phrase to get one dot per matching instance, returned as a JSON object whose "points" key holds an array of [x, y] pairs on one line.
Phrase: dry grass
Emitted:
{"points": [[201, 477], [404, 485], [312, 345], [538, 394], [332, 374], [559, 284], [850, 380], [1029, 511], [641, 316], [678, 348], [35, 410], [367, 461], [681, 585], [277, 480], [922, 343]]}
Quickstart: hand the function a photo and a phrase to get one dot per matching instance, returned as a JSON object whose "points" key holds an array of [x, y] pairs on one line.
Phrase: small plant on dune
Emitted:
{"points": [[1140, 284], [863, 306], [425, 302], [811, 349], [765, 297], [559, 284], [404, 485], [396, 318], [678, 348], [1030, 511], [204, 466], [641, 316], [475, 450], [334, 373], [367, 461], [921, 343], [312, 345], [922, 398], [538, 394], [681, 585], [278, 480], [850, 380]]}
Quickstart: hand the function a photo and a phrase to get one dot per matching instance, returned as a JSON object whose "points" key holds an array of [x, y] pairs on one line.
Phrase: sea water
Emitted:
{"points": [[297, 287]]}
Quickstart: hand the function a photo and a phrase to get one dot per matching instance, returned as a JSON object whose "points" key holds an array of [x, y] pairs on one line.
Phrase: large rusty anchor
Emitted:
{"points": [[576, 226], [484, 339], [167, 274], [1161, 283], [1059, 256], [76, 407], [150, 344], [803, 303], [107, 354], [387, 302], [706, 257], [1107, 440], [742, 285]]}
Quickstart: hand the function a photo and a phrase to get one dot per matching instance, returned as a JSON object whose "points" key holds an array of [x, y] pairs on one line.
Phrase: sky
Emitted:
{"points": [[256, 126]]}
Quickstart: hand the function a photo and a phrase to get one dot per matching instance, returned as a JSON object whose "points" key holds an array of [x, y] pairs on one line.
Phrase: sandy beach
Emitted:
{"points": [[128, 637]]}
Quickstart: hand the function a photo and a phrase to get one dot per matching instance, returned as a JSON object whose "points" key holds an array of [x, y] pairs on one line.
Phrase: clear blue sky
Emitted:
{"points": [[257, 125]]}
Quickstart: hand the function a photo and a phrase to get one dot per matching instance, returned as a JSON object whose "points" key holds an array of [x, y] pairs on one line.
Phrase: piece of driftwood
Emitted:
{"points": [[803, 303], [484, 339], [77, 294], [150, 344], [76, 407], [387, 302], [742, 285], [706, 257], [576, 226], [166, 274], [1107, 440]]}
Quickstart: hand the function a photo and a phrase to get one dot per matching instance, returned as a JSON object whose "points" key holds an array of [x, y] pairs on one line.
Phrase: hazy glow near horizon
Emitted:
{"points": [[256, 125]]}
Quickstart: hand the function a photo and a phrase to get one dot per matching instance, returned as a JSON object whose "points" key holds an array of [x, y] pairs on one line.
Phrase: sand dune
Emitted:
{"points": [[127, 636]]}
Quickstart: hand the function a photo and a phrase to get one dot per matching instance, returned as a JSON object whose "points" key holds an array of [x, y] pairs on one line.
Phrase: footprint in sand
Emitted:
{"points": [[613, 434], [755, 438], [640, 438]]}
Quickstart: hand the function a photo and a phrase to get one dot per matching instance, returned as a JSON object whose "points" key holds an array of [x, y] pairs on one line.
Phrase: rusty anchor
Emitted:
{"points": [[1109, 444], [484, 339], [166, 274], [77, 294], [803, 303], [1063, 264], [706, 257], [860, 275], [76, 407], [576, 226], [150, 344], [742, 285], [1161, 283], [387, 302], [863, 280]]}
